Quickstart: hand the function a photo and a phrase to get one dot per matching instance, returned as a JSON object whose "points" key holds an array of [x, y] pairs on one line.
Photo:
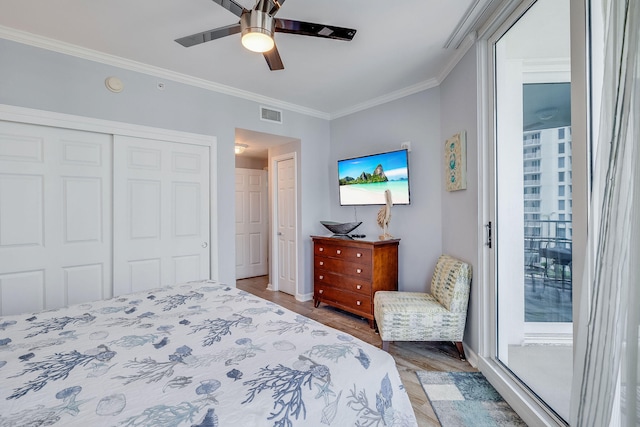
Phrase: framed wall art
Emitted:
{"points": [[455, 162]]}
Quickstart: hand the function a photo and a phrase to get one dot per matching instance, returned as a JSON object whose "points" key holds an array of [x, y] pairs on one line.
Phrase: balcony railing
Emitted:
{"points": [[531, 141], [548, 251]]}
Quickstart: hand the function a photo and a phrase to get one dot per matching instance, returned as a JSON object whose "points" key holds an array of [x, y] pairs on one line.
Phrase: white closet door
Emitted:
{"points": [[252, 225], [55, 224], [161, 213]]}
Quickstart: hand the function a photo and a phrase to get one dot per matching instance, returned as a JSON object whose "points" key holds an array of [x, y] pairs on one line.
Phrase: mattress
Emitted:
{"points": [[194, 354]]}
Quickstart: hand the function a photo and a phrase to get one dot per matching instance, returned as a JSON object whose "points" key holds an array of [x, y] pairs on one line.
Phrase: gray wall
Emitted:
{"points": [[436, 222], [460, 215], [415, 118], [40, 79]]}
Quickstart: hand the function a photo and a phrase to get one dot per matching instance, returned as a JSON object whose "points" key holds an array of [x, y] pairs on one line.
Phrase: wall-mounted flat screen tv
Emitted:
{"points": [[363, 180]]}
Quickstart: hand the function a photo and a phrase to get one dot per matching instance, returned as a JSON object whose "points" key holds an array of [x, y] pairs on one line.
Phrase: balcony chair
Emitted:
{"points": [[437, 316]]}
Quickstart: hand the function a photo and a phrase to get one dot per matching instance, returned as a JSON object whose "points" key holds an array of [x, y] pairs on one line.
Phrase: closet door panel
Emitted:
{"points": [[55, 200], [161, 213]]}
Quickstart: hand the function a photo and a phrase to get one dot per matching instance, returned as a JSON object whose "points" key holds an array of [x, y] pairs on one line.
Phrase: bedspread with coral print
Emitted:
{"points": [[195, 354]]}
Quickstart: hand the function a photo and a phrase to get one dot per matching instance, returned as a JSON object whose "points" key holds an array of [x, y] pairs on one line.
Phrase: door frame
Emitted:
{"points": [[17, 114], [274, 260]]}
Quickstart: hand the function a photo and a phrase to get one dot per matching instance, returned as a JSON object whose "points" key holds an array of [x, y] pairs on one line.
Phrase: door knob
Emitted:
{"points": [[204, 244]]}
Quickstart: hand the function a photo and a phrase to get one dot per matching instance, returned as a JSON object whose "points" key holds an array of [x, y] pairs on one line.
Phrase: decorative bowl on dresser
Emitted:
{"points": [[347, 273]]}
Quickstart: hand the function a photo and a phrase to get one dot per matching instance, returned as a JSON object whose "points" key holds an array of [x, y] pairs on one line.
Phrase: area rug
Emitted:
{"points": [[466, 399]]}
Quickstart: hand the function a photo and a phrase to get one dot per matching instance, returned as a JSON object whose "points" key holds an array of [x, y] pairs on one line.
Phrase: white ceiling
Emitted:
{"points": [[399, 47]]}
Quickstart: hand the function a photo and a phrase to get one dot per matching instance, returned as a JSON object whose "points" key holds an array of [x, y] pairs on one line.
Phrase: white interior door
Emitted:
{"points": [[252, 225], [161, 213], [55, 218], [286, 225]]}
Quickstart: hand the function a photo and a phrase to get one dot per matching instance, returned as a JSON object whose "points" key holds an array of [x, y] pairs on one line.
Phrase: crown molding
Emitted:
{"points": [[127, 64], [460, 51], [409, 90], [468, 24]]}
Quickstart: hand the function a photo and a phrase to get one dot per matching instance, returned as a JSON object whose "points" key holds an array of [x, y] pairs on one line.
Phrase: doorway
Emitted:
{"points": [[278, 156]]}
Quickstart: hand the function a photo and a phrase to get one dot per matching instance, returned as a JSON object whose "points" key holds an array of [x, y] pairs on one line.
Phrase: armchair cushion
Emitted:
{"points": [[450, 283], [437, 316]]}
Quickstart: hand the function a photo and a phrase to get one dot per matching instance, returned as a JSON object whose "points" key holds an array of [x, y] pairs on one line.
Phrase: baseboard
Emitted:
{"points": [[270, 287], [304, 297], [472, 356]]}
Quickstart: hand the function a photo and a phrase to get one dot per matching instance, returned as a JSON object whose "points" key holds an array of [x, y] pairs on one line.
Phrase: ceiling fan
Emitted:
{"points": [[258, 26]]}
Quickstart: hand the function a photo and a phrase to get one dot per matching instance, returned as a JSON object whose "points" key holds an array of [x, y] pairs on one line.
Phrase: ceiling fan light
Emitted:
{"points": [[257, 41], [257, 31], [239, 148]]}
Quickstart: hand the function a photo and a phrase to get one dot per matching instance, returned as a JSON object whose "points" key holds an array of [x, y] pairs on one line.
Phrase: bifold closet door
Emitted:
{"points": [[55, 217], [161, 213]]}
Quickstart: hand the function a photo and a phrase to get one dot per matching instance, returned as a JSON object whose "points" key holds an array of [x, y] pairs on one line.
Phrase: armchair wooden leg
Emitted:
{"points": [[460, 350], [385, 345]]}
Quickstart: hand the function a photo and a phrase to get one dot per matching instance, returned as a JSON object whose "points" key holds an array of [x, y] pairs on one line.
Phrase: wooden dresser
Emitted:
{"points": [[347, 273]]}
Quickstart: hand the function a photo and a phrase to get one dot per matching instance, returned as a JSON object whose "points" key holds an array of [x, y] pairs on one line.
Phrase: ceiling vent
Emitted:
{"points": [[270, 115]]}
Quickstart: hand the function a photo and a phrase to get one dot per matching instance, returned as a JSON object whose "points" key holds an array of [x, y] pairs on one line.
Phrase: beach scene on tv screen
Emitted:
{"points": [[363, 180]]}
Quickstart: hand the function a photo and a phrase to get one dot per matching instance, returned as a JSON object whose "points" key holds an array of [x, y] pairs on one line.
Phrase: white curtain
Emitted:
{"points": [[605, 384]]}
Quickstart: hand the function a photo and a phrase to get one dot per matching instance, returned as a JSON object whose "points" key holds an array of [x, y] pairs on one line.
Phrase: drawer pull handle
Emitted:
{"points": [[321, 291], [320, 249], [358, 286], [320, 277], [338, 251], [321, 262], [358, 270], [358, 255], [358, 303]]}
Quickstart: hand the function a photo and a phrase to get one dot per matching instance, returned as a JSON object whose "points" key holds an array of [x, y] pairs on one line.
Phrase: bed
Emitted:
{"points": [[194, 354]]}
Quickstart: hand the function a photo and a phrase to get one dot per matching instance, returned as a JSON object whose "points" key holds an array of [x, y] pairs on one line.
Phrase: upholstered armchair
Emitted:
{"points": [[437, 316]]}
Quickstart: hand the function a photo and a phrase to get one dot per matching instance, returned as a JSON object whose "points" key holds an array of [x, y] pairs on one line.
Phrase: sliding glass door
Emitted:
{"points": [[533, 202]]}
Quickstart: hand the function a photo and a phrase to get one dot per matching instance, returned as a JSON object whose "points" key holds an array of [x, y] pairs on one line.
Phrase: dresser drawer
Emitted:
{"points": [[356, 270], [351, 254], [340, 282], [352, 302]]}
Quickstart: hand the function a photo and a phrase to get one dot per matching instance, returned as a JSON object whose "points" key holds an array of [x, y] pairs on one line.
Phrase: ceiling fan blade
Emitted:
{"points": [[232, 7], [273, 59], [277, 4], [315, 30], [209, 35]]}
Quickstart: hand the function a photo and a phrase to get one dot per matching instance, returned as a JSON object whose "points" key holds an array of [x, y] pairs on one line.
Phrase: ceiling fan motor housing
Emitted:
{"points": [[257, 21]]}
